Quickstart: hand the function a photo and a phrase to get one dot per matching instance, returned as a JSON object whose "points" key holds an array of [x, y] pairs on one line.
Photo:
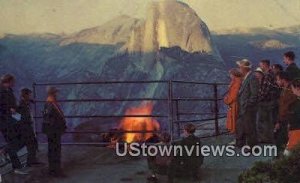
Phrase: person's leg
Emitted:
{"points": [[12, 147], [281, 138], [29, 137], [51, 153], [240, 134], [251, 134]]}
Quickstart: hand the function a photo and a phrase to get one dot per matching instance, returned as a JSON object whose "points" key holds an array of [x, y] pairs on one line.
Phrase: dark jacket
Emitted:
{"points": [[53, 119], [293, 71], [24, 110], [7, 102], [294, 121], [286, 99], [195, 160], [248, 94]]}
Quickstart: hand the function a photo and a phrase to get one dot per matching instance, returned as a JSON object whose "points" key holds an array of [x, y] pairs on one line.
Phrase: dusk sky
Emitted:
{"points": [[67, 16]]}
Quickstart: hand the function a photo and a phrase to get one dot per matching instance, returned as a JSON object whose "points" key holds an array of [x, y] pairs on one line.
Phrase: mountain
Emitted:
{"points": [[164, 46], [113, 32], [270, 44], [257, 44]]}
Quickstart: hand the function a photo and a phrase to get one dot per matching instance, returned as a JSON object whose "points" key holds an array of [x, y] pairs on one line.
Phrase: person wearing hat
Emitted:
{"points": [[25, 127], [54, 125], [8, 127], [259, 74], [268, 97], [247, 106]]}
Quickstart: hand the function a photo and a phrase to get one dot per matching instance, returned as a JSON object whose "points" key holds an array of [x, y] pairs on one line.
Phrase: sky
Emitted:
{"points": [[68, 16]]}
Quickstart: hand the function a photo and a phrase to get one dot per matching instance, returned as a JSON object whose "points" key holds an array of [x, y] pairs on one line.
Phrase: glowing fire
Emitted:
{"points": [[139, 123]]}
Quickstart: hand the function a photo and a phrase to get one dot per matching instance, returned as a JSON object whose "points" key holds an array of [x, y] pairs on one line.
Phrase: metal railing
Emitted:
{"points": [[173, 116]]}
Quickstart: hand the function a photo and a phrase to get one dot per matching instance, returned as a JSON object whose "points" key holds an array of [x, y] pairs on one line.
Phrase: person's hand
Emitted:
{"points": [[13, 111], [277, 126]]}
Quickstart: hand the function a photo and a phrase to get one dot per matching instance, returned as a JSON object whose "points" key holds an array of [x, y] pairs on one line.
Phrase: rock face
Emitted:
{"points": [[168, 24], [270, 44], [116, 31], [165, 46]]}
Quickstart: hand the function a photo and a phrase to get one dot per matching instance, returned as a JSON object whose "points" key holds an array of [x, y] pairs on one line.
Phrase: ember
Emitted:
{"points": [[139, 123]]}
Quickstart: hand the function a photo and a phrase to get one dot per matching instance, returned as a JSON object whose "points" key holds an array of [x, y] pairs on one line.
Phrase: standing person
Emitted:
{"points": [[259, 74], [268, 104], [247, 100], [292, 68], [25, 127], [286, 99], [231, 99], [277, 68], [54, 125], [294, 122], [8, 107], [187, 165]]}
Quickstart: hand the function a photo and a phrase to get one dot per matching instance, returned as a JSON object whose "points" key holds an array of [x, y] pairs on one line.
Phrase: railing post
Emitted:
{"points": [[216, 109], [177, 117], [170, 103], [35, 107]]}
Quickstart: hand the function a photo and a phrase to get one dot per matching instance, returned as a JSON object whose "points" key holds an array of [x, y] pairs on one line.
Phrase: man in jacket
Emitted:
{"points": [[286, 99], [25, 127], [54, 125], [268, 104], [8, 107], [247, 98], [292, 68]]}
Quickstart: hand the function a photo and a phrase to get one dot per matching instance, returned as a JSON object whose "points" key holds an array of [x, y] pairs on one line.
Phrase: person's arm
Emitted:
{"points": [[254, 89], [232, 93], [266, 87]]}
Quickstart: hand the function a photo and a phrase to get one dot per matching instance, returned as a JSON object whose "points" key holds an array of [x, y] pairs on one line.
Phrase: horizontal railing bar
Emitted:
{"points": [[198, 120], [101, 132], [199, 83], [126, 82], [132, 99], [101, 82], [196, 99], [105, 100], [198, 113], [112, 116]]}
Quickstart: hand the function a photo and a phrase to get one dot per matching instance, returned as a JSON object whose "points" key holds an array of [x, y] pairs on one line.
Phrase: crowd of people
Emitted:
{"points": [[264, 104], [16, 126]]}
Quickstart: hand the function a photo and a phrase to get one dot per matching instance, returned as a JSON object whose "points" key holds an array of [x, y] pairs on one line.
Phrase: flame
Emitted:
{"points": [[139, 123]]}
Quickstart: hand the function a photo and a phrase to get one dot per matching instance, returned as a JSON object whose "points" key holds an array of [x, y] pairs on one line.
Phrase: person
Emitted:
{"points": [[286, 99], [292, 68], [268, 104], [247, 104], [54, 125], [186, 165], [259, 74], [294, 122], [8, 107], [159, 164], [231, 99], [277, 68], [25, 127]]}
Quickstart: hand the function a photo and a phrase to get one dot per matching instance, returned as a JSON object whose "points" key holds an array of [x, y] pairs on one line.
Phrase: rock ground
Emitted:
{"points": [[100, 165]]}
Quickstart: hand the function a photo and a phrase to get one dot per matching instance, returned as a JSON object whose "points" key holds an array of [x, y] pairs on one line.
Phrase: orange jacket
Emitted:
{"points": [[231, 100]]}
